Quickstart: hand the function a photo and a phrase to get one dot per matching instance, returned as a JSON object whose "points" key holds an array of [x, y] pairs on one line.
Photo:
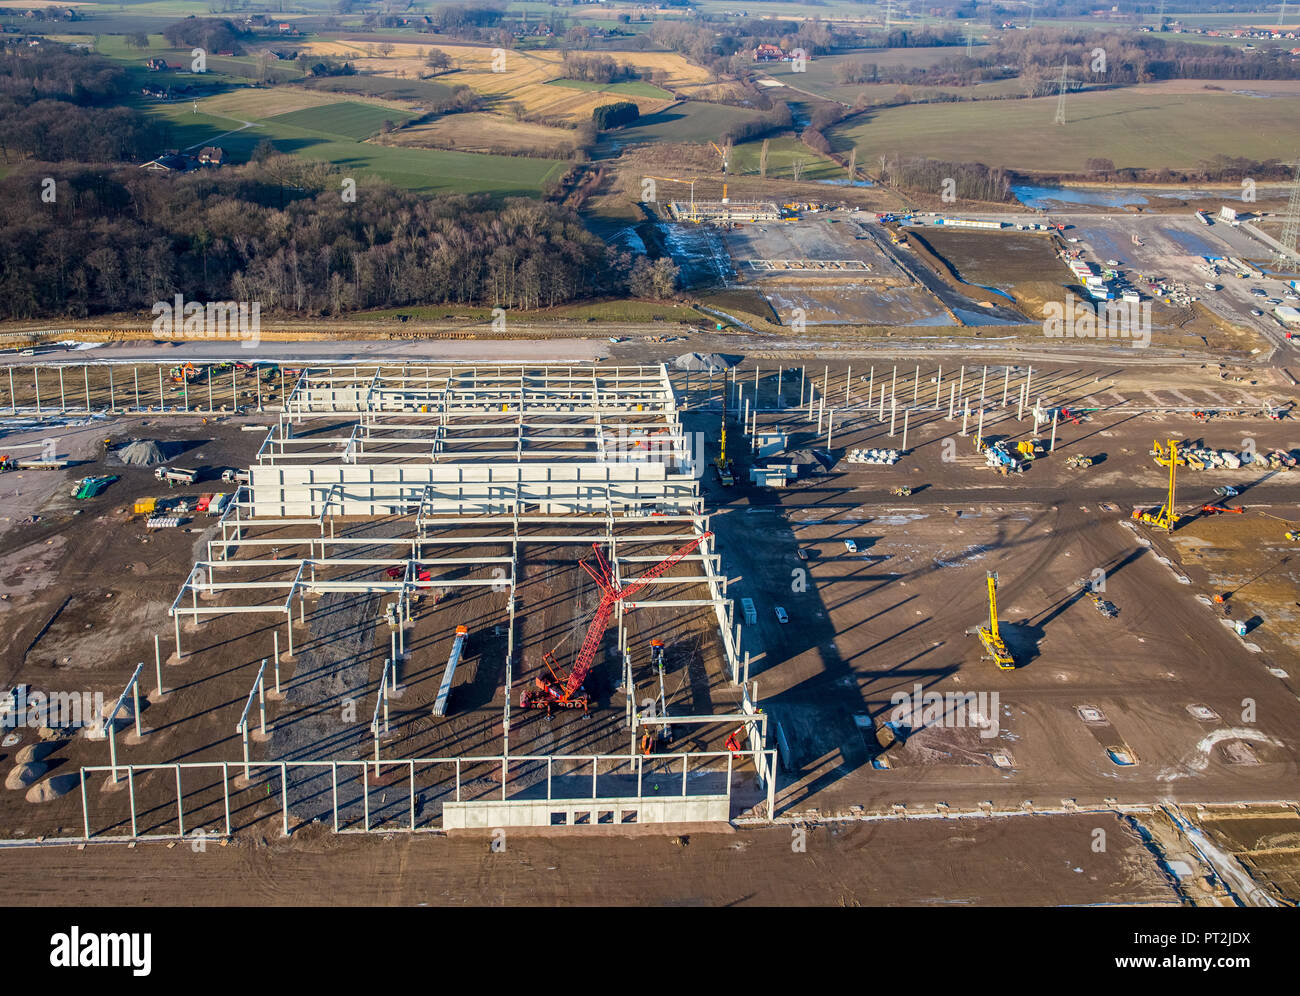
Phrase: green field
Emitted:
{"points": [[1142, 128], [819, 78], [431, 170], [781, 155], [632, 88], [347, 120], [690, 121]]}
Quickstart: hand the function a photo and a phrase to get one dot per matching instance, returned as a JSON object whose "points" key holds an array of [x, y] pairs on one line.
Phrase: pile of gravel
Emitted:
{"points": [[142, 453], [713, 363]]}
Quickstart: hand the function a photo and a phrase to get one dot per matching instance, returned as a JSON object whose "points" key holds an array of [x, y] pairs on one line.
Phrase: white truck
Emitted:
{"points": [[232, 476], [176, 475]]}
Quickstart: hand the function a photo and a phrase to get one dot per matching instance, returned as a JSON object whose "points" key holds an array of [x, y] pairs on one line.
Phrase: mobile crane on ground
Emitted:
{"points": [[565, 691], [726, 473], [1164, 517], [990, 637]]}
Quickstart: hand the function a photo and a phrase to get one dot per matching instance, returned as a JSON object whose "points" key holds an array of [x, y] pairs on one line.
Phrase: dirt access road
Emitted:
{"points": [[1023, 860]]}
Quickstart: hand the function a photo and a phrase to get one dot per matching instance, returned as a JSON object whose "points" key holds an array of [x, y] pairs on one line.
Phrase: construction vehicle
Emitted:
{"points": [[1079, 461], [1220, 509], [145, 506], [734, 742], [232, 476], [89, 487], [726, 473], [444, 689], [1000, 458], [420, 573], [1107, 609], [1164, 517], [185, 373], [205, 500], [991, 637], [176, 475], [1029, 448], [565, 690], [901, 492]]}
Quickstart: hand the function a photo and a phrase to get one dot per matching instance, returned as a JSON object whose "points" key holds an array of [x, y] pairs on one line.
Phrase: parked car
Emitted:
{"points": [[1227, 491], [801, 553], [851, 546], [781, 615]]}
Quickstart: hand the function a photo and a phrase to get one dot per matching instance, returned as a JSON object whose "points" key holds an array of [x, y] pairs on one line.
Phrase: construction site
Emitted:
{"points": [[655, 592]]}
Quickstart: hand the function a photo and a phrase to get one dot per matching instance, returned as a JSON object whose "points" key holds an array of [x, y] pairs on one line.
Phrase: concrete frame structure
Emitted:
{"points": [[479, 440], [421, 459]]}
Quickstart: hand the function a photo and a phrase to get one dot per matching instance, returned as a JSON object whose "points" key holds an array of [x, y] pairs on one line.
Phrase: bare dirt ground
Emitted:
{"points": [[1026, 861], [863, 627]]}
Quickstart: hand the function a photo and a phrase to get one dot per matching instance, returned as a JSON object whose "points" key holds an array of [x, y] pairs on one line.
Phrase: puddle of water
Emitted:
{"points": [[1120, 756], [1044, 197]]}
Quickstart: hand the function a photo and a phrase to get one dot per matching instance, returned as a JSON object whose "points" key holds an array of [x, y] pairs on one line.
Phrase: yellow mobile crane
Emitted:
{"points": [[990, 637], [1164, 517], [726, 475]]}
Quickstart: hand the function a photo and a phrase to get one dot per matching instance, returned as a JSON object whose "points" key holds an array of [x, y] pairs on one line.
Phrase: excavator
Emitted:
{"points": [[1164, 517], [565, 690], [990, 637]]}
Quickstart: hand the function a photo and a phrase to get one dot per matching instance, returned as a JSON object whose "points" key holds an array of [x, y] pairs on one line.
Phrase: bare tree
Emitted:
{"points": [[853, 164], [762, 159], [796, 168]]}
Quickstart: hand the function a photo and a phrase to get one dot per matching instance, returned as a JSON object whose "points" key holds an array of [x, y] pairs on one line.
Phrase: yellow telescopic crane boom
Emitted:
{"points": [[991, 637]]}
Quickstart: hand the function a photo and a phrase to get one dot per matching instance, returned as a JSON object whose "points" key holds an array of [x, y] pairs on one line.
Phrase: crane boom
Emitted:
{"points": [[603, 575], [993, 604]]}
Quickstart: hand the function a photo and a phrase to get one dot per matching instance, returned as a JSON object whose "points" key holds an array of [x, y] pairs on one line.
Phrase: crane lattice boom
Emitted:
{"points": [[603, 575]]}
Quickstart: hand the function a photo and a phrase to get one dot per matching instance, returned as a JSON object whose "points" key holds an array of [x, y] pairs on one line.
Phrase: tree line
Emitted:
{"points": [[50, 108], [278, 232], [971, 181]]}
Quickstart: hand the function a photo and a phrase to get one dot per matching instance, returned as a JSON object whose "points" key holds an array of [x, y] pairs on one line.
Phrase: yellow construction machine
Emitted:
{"points": [[990, 637], [1164, 517]]}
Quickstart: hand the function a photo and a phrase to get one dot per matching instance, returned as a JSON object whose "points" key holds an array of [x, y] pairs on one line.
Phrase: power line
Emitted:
{"points": [[1291, 224], [1064, 83]]}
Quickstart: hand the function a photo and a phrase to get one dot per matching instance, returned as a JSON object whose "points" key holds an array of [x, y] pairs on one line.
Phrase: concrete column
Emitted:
{"points": [[848, 379], [906, 412], [871, 385], [893, 415], [965, 411], [1006, 379], [893, 382], [916, 384], [830, 429], [1052, 447], [952, 400], [938, 387], [983, 381]]}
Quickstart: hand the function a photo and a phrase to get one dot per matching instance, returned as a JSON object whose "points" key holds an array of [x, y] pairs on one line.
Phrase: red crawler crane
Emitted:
{"points": [[565, 691]]}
